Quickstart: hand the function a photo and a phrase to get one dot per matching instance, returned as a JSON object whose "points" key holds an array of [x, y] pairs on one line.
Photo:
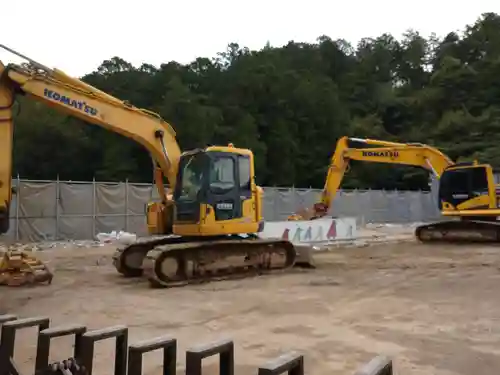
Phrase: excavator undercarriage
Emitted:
{"points": [[464, 230], [177, 261]]}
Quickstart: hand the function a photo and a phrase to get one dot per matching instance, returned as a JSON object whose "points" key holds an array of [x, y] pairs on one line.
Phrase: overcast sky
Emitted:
{"points": [[77, 36]]}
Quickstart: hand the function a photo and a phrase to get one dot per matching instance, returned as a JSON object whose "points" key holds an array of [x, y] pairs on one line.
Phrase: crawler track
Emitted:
{"points": [[179, 261], [460, 231]]}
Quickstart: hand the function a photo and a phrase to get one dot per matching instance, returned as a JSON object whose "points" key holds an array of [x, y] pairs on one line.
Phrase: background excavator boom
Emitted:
{"points": [[412, 154]]}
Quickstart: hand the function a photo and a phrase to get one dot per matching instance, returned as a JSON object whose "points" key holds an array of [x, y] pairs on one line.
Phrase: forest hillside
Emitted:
{"points": [[290, 105]]}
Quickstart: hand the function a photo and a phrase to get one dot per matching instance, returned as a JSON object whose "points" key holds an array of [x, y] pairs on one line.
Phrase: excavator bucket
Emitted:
{"points": [[19, 268]]}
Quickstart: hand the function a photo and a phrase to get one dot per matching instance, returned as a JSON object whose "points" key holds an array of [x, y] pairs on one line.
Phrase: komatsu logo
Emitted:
{"points": [[383, 154], [66, 100]]}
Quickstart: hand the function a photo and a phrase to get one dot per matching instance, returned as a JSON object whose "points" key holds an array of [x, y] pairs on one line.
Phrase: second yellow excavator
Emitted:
{"points": [[210, 217], [467, 193]]}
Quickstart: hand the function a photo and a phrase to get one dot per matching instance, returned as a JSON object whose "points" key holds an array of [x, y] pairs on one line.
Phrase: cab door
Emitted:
{"points": [[223, 192]]}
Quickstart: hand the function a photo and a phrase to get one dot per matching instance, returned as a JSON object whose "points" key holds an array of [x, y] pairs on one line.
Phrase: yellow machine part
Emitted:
{"points": [[211, 234], [19, 268]]}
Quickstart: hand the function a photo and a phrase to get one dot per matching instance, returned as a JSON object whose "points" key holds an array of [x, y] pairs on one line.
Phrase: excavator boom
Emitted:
{"points": [[83, 101]]}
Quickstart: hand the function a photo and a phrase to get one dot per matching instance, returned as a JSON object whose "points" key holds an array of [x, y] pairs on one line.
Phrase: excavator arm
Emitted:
{"points": [[72, 96], [412, 154], [6, 139]]}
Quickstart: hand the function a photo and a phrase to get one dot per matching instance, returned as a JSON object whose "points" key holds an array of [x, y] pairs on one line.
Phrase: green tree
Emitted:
{"points": [[290, 105]]}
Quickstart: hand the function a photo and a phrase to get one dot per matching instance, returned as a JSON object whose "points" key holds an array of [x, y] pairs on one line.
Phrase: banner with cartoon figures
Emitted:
{"points": [[312, 232]]}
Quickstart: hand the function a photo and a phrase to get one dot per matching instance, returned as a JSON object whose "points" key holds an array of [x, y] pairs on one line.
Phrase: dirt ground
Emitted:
{"points": [[434, 309]]}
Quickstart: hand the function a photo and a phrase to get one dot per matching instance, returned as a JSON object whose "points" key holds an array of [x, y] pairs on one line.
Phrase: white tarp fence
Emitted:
{"points": [[57, 210]]}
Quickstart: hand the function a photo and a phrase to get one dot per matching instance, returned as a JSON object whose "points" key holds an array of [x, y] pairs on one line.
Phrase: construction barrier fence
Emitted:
{"points": [[60, 210], [128, 359]]}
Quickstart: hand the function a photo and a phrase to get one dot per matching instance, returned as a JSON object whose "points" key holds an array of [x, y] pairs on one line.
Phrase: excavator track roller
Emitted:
{"points": [[19, 268]]}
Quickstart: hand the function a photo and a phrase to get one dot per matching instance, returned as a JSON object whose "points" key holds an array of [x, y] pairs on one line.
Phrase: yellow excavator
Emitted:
{"points": [[467, 191], [210, 218]]}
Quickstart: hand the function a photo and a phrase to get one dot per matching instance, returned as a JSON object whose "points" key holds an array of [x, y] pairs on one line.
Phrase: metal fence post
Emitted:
{"points": [[275, 203], [18, 195], [56, 232], [126, 205], [94, 193]]}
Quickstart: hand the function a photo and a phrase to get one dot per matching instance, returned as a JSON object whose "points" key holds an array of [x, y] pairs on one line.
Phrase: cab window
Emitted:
{"points": [[244, 171], [465, 180], [222, 176], [192, 177]]}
